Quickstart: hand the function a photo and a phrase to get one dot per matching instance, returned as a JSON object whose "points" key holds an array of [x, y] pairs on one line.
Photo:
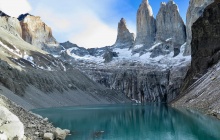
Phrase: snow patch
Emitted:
{"points": [[138, 46]]}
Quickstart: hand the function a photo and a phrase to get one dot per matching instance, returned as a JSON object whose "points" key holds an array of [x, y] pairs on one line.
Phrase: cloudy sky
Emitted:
{"points": [[88, 23]]}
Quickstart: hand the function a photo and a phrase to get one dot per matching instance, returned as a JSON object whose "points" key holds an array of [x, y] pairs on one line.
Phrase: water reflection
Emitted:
{"points": [[133, 122]]}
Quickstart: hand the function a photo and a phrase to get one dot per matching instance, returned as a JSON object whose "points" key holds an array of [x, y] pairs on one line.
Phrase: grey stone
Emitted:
{"points": [[48, 136], [195, 10], [60, 134], [146, 26], [125, 39], [170, 24]]}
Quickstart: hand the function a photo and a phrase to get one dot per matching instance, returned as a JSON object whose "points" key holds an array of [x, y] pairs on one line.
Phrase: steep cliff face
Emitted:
{"points": [[195, 10], [37, 33], [125, 39], [10, 24], [170, 24], [140, 82], [204, 93], [146, 27], [205, 43]]}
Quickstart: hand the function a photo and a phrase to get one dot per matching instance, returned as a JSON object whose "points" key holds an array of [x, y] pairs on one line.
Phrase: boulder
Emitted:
{"points": [[48, 136], [60, 134]]}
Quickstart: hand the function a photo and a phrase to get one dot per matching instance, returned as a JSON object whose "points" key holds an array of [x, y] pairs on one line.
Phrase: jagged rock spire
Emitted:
{"points": [[146, 25], [170, 24], [2, 14], [125, 39]]}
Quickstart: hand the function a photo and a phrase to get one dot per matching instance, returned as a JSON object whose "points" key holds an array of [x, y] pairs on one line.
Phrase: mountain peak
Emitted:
{"points": [[145, 1], [124, 37], [2, 14], [23, 16]]}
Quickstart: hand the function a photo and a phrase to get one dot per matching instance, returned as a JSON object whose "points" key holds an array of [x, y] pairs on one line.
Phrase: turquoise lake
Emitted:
{"points": [[133, 122]]}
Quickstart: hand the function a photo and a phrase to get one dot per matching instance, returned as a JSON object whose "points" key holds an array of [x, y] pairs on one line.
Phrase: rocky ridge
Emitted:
{"points": [[116, 67], [37, 33], [11, 24]]}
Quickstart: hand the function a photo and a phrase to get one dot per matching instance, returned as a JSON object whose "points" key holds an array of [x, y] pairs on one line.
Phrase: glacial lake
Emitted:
{"points": [[133, 122]]}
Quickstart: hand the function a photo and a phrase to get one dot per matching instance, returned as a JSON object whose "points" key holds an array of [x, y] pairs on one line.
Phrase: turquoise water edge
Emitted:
{"points": [[132, 122]]}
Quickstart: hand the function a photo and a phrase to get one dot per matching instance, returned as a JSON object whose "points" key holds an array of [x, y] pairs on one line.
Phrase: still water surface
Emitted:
{"points": [[133, 122]]}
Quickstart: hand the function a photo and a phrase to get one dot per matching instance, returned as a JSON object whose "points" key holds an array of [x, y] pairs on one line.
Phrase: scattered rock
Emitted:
{"points": [[48, 136], [3, 137], [60, 134]]}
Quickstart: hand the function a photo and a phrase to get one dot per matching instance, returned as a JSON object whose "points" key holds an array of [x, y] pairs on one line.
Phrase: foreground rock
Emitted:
{"points": [[125, 39], [146, 27], [195, 10], [8, 123], [201, 86]]}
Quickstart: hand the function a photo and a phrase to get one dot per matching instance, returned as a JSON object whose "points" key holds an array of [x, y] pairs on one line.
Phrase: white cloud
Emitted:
{"points": [[81, 24], [94, 32], [14, 7]]}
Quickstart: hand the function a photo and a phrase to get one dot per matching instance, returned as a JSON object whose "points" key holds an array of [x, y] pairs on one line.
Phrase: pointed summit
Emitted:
{"points": [[146, 26], [125, 39], [170, 24], [2, 14], [145, 1]]}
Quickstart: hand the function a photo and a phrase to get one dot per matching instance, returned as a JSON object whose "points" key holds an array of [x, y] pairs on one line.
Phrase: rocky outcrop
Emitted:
{"points": [[146, 27], [195, 10], [35, 31], [108, 56], [125, 39], [145, 83], [205, 43], [12, 25], [73, 48], [170, 24]]}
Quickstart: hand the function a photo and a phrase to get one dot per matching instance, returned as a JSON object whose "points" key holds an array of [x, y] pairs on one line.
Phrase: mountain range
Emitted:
{"points": [[168, 61]]}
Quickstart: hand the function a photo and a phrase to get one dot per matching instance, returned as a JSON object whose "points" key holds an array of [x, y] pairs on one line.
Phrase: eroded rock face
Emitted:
{"points": [[170, 24], [125, 39], [35, 31], [195, 10], [146, 26], [10, 24], [205, 43], [137, 82]]}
